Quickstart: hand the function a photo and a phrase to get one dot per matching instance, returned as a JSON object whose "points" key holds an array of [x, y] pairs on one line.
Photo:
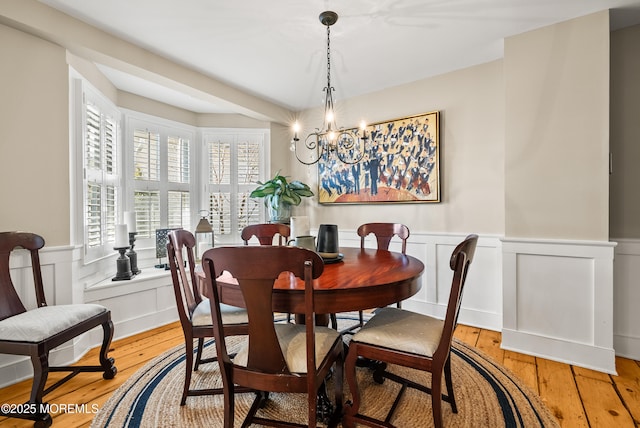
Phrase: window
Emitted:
{"points": [[234, 161], [100, 128], [161, 185]]}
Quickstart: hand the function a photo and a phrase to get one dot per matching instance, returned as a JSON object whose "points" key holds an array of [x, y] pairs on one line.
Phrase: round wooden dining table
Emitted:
{"points": [[362, 279]]}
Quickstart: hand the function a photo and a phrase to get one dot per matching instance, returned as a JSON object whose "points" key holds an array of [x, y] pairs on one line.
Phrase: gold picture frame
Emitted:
{"points": [[401, 164]]}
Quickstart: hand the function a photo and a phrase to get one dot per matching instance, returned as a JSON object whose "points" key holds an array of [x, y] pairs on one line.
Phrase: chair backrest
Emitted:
{"points": [[265, 233], [460, 261], [10, 303], [185, 283], [256, 269], [384, 232]]}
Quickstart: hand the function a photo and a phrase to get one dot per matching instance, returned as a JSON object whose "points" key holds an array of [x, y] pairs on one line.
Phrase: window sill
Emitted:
{"points": [[147, 279]]}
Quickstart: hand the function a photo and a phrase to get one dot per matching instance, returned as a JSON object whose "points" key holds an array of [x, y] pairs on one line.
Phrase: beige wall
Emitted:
{"points": [[34, 137], [557, 131], [625, 133], [471, 103], [549, 96]]}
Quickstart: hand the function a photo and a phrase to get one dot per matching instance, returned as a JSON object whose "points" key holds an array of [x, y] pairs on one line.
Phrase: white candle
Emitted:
{"points": [[299, 226], [130, 221], [122, 236]]}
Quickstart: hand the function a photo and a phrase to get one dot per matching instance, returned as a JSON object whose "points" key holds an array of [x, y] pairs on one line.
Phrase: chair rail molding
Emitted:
{"points": [[558, 300]]}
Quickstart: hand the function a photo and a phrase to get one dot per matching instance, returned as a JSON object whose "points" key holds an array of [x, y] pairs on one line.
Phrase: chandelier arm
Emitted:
{"points": [[310, 144]]}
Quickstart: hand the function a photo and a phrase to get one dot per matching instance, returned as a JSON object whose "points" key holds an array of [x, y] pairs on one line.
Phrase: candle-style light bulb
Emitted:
{"points": [[330, 116], [296, 129], [363, 128]]}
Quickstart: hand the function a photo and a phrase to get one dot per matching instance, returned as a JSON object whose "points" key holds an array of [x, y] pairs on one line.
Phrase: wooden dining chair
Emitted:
{"points": [[35, 332], [384, 233], [194, 310], [277, 357], [265, 232], [421, 342]]}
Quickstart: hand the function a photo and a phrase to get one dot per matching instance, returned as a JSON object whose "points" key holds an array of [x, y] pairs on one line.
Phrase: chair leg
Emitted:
{"points": [[199, 353], [447, 379], [352, 407], [188, 365], [338, 379], [40, 365], [436, 398], [312, 402], [361, 316], [107, 363]]}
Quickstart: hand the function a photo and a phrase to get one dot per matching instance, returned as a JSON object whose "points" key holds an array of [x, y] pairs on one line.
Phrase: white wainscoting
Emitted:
{"points": [[626, 299], [482, 299], [558, 301], [551, 299]]}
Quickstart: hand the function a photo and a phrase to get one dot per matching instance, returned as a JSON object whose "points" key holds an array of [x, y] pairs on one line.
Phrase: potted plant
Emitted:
{"points": [[280, 195]]}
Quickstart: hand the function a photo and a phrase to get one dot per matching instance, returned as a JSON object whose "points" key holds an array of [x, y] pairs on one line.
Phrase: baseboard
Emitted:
{"points": [[578, 354]]}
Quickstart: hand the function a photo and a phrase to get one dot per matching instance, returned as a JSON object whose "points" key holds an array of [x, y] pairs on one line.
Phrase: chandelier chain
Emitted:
{"points": [[328, 58]]}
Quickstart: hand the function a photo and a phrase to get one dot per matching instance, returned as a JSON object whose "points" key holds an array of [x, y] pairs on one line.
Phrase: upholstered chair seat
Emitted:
{"points": [[293, 342], [38, 324], [201, 316], [402, 330]]}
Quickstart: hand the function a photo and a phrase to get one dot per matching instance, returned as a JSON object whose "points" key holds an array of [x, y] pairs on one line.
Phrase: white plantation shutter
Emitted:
{"points": [[249, 165], [146, 155], [93, 220], [162, 185], [100, 126], [178, 160], [234, 162], [147, 208], [179, 209]]}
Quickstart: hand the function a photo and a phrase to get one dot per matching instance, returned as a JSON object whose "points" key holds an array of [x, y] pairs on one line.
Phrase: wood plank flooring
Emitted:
{"points": [[578, 397]]}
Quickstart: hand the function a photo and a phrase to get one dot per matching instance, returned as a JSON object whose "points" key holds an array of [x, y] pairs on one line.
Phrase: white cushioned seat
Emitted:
{"points": [[403, 330], [293, 342], [38, 324], [230, 314]]}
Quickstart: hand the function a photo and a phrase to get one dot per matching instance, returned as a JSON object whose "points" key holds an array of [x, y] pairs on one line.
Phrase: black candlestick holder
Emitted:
{"points": [[123, 264], [133, 256]]}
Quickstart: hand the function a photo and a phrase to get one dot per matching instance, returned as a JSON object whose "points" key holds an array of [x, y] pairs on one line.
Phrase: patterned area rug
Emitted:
{"points": [[486, 393]]}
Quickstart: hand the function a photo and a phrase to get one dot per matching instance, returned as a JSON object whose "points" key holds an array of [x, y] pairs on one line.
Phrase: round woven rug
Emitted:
{"points": [[486, 393]]}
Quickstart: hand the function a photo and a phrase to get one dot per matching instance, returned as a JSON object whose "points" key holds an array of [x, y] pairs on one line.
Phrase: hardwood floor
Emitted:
{"points": [[578, 397]]}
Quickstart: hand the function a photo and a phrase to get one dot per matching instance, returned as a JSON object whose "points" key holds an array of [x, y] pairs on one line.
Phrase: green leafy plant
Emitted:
{"points": [[280, 191]]}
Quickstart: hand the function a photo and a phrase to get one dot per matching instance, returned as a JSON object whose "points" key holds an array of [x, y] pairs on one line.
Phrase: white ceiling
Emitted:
{"points": [[276, 50]]}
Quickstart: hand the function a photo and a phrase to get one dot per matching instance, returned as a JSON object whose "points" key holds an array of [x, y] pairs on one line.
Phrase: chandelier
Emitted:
{"points": [[347, 144]]}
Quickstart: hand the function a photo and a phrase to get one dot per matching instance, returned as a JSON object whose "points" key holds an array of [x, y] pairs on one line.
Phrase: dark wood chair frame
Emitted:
{"points": [[11, 305], [384, 233], [265, 232], [188, 297], [256, 268], [440, 363]]}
